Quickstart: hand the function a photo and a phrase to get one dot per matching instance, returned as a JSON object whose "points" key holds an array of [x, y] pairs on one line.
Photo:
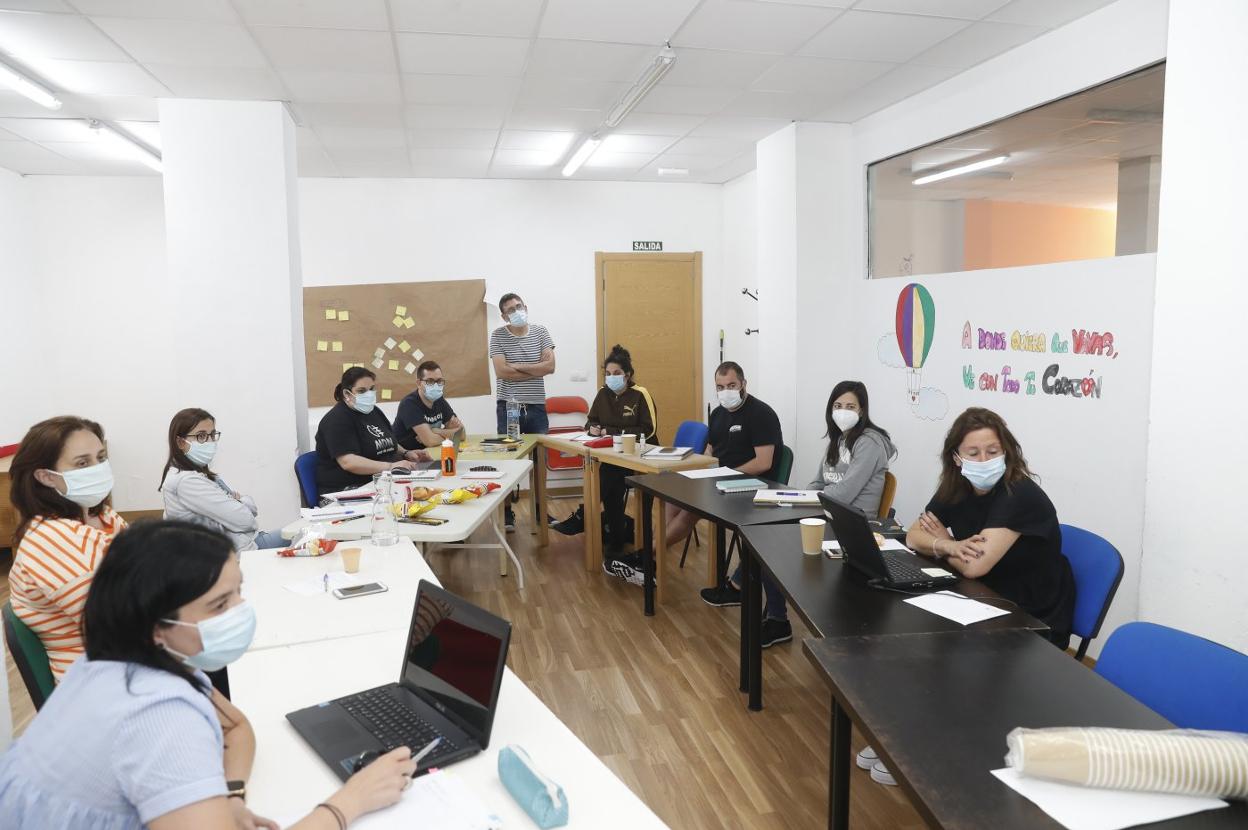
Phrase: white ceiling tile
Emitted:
{"points": [[747, 26], [113, 107], [618, 161], [739, 166], [711, 67], [569, 93], [592, 61], [315, 164], [463, 90], [421, 54], [512, 18], [901, 83], [685, 100], [420, 116], [722, 148], [35, 5], [5, 135], [98, 77], [55, 36], [977, 43], [220, 82], [434, 159], [349, 115], [624, 143], [362, 138], [48, 129], [375, 170], [392, 159], [789, 106], [94, 150], [820, 75], [212, 11], [28, 158], [739, 127], [965, 9], [540, 140], [316, 14], [526, 158], [874, 36], [13, 105], [570, 120], [342, 87], [829, 4], [146, 131], [183, 42], [694, 164], [332, 50], [648, 123], [636, 21], [1047, 13], [451, 139], [449, 171]]}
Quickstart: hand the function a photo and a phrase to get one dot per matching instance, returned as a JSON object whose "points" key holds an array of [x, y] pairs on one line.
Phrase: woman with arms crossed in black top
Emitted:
{"points": [[355, 439], [1004, 528]]}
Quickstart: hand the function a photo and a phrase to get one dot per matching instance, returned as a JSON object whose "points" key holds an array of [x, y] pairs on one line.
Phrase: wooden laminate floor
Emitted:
{"points": [[655, 698]]}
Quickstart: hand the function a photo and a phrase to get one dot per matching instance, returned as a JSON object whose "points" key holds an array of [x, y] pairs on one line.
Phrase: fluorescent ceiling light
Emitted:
{"points": [[962, 169], [653, 74], [22, 85], [582, 154], [124, 145]]}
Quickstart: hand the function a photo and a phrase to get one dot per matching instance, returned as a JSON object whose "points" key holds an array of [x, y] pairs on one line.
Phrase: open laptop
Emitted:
{"points": [[448, 688], [893, 568]]}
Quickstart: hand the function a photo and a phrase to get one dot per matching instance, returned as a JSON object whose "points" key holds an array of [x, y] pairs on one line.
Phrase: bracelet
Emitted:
{"points": [[336, 813]]}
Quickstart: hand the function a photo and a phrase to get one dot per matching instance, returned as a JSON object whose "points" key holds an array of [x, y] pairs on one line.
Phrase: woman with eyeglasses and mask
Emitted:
{"points": [[194, 493], [61, 486], [355, 438], [135, 737]]}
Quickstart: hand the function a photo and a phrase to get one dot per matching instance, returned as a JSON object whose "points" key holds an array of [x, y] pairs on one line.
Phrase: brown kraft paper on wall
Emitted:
{"points": [[440, 321]]}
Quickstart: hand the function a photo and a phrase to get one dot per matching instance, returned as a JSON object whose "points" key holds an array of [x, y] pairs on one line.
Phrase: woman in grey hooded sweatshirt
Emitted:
{"points": [[858, 453]]}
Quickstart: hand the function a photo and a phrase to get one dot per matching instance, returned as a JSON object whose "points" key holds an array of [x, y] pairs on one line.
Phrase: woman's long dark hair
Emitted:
{"points": [[349, 378], [864, 418], [183, 422], [40, 449], [152, 569], [620, 357], [953, 486]]}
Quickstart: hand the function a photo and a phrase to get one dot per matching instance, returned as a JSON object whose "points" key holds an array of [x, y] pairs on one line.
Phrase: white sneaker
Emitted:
{"points": [[867, 758], [881, 775]]}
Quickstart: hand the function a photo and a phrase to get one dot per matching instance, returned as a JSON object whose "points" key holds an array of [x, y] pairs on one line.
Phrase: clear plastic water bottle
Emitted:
{"points": [[385, 525], [513, 418]]}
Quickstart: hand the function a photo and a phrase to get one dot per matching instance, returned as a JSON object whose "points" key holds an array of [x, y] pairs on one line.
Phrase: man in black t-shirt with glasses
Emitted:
{"points": [[425, 417]]}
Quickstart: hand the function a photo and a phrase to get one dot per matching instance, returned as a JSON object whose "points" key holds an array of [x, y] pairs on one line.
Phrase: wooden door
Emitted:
{"points": [[651, 304]]}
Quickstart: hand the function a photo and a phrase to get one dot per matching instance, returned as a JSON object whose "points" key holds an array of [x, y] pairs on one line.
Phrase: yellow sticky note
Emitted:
{"points": [[322, 346], [394, 366], [331, 314], [405, 347], [344, 316], [337, 345], [409, 322], [398, 322], [417, 355], [410, 368], [386, 394], [400, 310], [347, 366]]}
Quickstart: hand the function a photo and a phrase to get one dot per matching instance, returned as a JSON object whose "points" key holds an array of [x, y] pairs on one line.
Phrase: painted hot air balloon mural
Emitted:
{"points": [[915, 328]]}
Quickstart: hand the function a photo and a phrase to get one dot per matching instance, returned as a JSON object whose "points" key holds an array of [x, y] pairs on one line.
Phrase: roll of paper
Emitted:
{"points": [[1185, 762]]}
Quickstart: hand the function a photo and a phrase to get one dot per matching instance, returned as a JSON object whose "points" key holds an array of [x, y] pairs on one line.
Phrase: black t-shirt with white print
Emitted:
{"points": [[344, 431]]}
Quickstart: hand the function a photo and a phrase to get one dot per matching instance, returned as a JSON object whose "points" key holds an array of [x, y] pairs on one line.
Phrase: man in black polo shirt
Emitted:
{"points": [[425, 418]]}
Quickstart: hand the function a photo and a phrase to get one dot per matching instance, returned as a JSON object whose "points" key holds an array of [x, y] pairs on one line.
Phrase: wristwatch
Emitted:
{"points": [[237, 789]]}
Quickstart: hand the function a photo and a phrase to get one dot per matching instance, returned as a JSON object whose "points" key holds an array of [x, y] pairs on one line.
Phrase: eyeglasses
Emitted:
{"points": [[202, 437]]}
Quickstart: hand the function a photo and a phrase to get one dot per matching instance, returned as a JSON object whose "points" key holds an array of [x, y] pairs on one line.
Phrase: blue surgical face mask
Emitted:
{"points": [[983, 475], [433, 391], [616, 383], [225, 637], [88, 486], [365, 401], [518, 317], [201, 455]]}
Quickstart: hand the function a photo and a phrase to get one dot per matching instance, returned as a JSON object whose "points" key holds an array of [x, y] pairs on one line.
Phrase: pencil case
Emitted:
{"points": [[536, 794]]}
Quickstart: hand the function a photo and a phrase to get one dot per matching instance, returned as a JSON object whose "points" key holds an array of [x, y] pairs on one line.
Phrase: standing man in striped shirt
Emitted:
{"points": [[523, 354]]}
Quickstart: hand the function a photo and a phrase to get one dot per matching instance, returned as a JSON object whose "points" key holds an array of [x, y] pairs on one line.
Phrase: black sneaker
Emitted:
{"points": [[572, 525], [775, 631], [509, 520], [725, 596], [626, 568]]}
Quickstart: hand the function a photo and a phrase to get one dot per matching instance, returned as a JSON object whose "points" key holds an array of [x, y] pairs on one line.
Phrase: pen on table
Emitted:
{"points": [[349, 518]]}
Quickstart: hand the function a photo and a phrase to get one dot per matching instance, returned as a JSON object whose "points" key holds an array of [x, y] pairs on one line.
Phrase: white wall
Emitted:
{"points": [[740, 198], [929, 233], [1194, 576], [21, 333], [536, 238]]}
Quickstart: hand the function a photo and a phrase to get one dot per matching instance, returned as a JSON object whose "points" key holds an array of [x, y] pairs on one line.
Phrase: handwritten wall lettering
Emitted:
{"points": [[1077, 383]]}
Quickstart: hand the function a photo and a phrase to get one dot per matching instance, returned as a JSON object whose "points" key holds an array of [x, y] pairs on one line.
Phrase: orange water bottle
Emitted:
{"points": [[448, 458]]}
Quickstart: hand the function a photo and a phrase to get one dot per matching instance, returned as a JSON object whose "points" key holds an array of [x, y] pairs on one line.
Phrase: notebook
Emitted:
{"points": [[668, 452], [786, 497], [740, 485]]}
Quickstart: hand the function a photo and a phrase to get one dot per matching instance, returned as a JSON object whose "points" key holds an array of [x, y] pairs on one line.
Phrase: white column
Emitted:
{"points": [[231, 217], [1193, 575], [1139, 200]]}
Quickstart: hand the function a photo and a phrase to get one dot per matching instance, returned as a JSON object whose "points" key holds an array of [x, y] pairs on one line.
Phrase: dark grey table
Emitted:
{"points": [[937, 708]]}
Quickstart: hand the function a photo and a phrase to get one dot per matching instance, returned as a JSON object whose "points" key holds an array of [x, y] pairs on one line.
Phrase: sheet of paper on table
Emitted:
{"points": [[1088, 808], [313, 586], [713, 472], [439, 800], [956, 607]]}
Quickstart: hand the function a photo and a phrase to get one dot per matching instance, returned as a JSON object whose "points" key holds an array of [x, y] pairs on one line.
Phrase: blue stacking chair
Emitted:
{"points": [[1192, 682], [1098, 567], [691, 434], [305, 474]]}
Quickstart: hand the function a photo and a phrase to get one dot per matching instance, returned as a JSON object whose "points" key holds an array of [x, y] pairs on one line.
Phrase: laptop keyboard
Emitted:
{"points": [[901, 568], [394, 724]]}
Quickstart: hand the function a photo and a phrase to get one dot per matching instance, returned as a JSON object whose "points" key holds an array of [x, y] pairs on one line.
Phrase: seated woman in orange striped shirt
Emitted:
{"points": [[61, 483]]}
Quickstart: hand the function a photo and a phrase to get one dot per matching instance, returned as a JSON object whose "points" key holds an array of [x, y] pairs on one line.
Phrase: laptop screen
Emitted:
{"points": [[455, 657]]}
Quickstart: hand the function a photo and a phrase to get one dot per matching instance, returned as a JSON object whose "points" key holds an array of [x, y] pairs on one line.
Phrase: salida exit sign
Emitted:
{"points": [[647, 246]]}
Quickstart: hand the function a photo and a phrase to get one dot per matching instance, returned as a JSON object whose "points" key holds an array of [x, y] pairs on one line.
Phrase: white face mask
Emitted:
{"points": [[983, 475], [365, 401], [225, 638], [729, 398], [88, 486], [845, 419]]}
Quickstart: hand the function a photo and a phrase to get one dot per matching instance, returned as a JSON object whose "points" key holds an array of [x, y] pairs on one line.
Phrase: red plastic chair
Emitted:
{"points": [[565, 405]]}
